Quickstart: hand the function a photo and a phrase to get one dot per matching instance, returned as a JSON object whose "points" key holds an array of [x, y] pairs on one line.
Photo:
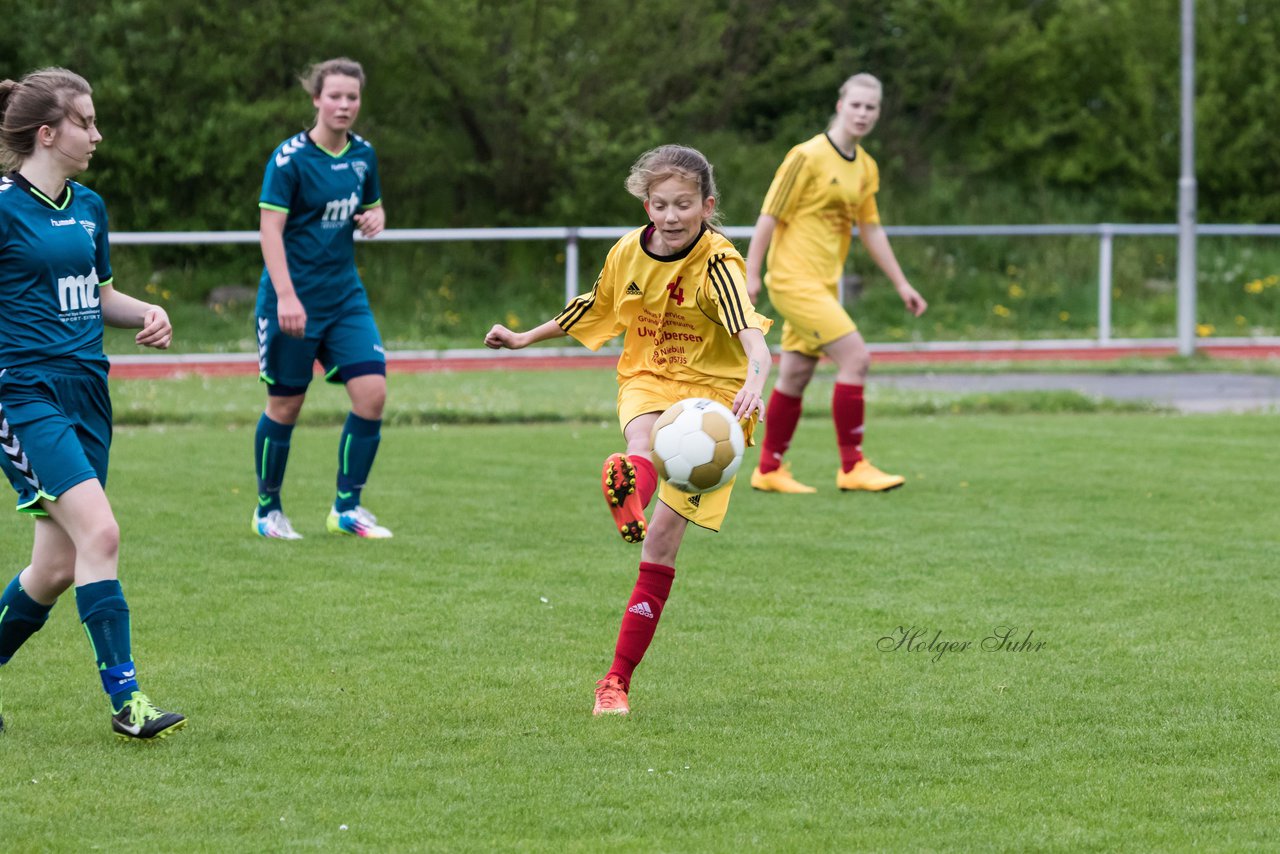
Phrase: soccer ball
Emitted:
{"points": [[697, 445]]}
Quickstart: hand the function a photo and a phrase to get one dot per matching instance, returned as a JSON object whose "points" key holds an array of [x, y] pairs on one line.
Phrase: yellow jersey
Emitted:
{"points": [[681, 312], [816, 196]]}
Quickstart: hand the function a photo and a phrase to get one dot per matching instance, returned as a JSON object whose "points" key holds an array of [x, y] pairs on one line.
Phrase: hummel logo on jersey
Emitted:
{"points": [[89, 226], [633, 289], [641, 609], [341, 210], [360, 166], [57, 222], [289, 149], [696, 500]]}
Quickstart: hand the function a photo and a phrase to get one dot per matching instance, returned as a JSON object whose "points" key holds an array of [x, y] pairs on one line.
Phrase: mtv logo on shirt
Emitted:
{"points": [[341, 210], [76, 293]]}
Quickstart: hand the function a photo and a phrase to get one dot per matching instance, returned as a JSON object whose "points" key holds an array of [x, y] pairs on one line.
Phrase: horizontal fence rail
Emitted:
{"points": [[570, 236]]}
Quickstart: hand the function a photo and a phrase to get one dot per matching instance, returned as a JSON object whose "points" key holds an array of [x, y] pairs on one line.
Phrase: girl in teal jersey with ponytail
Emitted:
{"points": [[55, 412]]}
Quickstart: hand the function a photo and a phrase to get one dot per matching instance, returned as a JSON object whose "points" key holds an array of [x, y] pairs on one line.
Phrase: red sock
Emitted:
{"points": [[781, 418], [641, 618], [848, 410], [646, 477]]}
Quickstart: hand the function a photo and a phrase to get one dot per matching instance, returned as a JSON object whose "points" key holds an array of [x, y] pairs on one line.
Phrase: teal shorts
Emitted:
{"points": [[346, 346], [55, 431]]}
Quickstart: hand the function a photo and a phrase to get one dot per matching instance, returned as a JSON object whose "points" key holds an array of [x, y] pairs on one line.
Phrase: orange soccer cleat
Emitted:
{"points": [[618, 482], [867, 477], [779, 480], [611, 697]]}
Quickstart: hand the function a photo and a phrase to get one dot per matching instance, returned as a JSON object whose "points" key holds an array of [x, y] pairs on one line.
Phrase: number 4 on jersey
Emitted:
{"points": [[677, 292]]}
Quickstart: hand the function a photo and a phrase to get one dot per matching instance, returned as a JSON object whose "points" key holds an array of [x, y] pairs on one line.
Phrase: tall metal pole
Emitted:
{"points": [[1187, 189]]}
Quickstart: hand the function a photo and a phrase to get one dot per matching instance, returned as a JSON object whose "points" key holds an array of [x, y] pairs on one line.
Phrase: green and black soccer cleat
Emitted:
{"points": [[139, 720]]}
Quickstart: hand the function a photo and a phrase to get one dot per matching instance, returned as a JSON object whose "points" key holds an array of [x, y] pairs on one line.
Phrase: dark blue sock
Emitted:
{"points": [[356, 450], [20, 618], [105, 616], [270, 455]]}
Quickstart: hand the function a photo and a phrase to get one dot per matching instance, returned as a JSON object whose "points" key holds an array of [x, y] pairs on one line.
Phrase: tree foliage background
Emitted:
{"points": [[530, 111]]}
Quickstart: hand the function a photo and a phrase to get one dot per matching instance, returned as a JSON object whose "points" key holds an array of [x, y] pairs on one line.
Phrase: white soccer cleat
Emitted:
{"points": [[274, 526], [357, 522]]}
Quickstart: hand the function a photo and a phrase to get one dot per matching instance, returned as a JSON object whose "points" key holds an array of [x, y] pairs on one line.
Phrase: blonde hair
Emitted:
{"points": [[313, 79], [674, 161], [43, 97], [863, 79]]}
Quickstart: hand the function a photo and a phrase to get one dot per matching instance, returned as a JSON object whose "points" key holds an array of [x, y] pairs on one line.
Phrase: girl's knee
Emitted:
{"points": [[101, 541]]}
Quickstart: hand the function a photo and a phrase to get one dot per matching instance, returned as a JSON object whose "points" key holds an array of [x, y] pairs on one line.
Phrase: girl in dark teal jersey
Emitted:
{"points": [[319, 187], [55, 412]]}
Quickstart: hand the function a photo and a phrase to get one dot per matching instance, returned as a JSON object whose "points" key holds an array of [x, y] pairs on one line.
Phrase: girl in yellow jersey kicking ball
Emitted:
{"points": [[677, 287]]}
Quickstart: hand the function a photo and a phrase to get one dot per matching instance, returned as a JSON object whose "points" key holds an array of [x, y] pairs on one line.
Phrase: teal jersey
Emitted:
{"points": [[321, 193], [54, 255]]}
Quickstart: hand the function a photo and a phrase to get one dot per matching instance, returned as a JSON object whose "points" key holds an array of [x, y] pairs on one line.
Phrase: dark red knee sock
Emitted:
{"points": [[781, 418], [641, 618], [646, 477], [849, 411]]}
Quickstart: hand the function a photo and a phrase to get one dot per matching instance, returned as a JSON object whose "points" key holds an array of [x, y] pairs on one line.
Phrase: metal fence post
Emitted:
{"points": [[1104, 283], [570, 265]]}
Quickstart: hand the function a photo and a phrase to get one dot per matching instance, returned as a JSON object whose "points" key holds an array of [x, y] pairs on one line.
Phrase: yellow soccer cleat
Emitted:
{"points": [[868, 478], [611, 697], [779, 480]]}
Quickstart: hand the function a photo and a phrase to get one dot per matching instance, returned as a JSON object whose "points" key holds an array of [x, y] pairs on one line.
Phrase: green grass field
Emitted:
{"points": [[433, 692]]}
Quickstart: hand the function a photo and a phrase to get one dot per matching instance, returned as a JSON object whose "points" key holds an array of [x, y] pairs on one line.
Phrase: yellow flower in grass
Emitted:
{"points": [[1016, 291], [1254, 287], [1064, 316], [1204, 330], [513, 320], [1272, 281], [1001, 311]]}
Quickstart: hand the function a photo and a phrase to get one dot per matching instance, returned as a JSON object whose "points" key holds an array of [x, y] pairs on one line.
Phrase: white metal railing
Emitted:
{"points": [[571, 236]]}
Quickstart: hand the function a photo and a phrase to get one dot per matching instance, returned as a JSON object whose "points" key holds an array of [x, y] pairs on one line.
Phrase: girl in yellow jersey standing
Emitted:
{"points": [[823, 187], [677, 288]]}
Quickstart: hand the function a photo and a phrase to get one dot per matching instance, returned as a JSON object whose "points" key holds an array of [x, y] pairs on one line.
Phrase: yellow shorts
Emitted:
{"points": [[813, 318], [648, 393]]}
